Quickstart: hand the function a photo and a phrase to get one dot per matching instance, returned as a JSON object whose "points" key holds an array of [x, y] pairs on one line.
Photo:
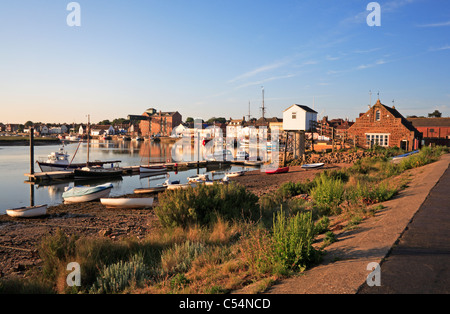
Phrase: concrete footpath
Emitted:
{"points": [[415, 248]]}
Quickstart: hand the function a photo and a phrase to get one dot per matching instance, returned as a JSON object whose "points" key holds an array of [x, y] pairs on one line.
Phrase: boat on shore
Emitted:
{"points": [[311, 166], [81, 194], [144, 202], [277, 170], [27, 212], [405, 155], [235, 174], [155, 189]]}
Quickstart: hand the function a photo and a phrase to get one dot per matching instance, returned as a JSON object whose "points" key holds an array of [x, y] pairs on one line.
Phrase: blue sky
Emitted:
{"points": [[208, 58]]}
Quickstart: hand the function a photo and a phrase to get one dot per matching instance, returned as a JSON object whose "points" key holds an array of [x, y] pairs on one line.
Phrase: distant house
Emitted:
{"points": [[102, 130], [384, 126], [12, 127], [159, 123], [61, 129], [299, 118]]}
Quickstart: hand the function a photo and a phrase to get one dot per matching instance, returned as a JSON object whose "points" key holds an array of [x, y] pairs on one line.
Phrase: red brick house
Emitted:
{"points": [[432, 127], [161, 123], [384, 126]]}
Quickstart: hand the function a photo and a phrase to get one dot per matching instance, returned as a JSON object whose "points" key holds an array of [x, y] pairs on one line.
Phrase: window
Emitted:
{"points": [[294, 115], [377, 115], [377, 139]]}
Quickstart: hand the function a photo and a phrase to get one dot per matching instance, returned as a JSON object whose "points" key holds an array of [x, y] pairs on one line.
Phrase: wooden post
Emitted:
{"points": [[31, 150]]}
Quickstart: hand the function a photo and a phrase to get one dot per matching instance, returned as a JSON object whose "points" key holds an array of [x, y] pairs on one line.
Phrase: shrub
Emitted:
{"points": [[116, 277], [179, 258], [328, 190], [293, 238], [54, 251], [204, 204]]}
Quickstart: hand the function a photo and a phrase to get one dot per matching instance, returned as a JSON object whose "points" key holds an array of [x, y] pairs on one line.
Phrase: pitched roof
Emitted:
{"points": [[430, 122], [306, 108]]}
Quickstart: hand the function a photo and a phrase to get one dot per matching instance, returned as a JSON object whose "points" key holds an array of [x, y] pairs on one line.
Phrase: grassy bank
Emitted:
{"points": [[222, 238]]}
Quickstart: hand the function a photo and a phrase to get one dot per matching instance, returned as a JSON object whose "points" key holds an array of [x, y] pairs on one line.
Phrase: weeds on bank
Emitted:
{"points": [[223, 238]]}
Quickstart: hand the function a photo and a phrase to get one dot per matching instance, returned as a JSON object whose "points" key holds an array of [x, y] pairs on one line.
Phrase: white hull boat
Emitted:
{"points": [[311, 166], [145, 202], [235, 174], [27, 212], [81, 194]]}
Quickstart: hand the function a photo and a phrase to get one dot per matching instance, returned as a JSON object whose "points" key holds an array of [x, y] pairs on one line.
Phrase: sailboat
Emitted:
{"points": [[90, 171], [151, 168]]}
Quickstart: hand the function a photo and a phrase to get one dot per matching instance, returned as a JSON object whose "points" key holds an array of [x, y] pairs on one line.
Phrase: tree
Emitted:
{"points": [[29, 123], [189, 120], [435, 114]]}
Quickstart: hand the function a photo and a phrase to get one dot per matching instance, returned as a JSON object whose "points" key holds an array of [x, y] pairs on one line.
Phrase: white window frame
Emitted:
{"points": [[380, 139]]}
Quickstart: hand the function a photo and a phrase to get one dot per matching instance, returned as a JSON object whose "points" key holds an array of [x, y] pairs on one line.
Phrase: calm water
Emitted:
{"points": [[15, 191]]}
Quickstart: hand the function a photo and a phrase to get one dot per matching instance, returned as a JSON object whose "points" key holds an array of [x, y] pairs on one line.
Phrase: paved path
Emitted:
{"points": [[344, 269], [420, 261]]}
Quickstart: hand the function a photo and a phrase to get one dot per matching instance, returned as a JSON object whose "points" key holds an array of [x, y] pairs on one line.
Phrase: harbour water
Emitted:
{"points": [[16, 191]]}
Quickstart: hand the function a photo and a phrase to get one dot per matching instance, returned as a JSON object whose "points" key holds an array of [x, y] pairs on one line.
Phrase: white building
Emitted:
{"points": [[298, 118]]}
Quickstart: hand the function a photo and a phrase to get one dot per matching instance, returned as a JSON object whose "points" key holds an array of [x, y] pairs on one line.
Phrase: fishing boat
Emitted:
{"points": [[144, 202], [27, 212], [59, 161], [278, 170], [81, 194], [311, 166], [155, 189]]}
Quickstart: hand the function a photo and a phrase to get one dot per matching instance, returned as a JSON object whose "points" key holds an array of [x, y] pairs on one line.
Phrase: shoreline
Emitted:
{"points": [[19, 237]]}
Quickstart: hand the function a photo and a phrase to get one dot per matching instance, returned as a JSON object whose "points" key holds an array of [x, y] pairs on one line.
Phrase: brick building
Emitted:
{"points": [[384, 126], [432, 127], [159, 123]]}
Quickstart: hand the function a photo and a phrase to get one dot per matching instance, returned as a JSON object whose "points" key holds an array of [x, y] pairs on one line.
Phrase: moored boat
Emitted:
{"points": [[97, 172], [81, 194], [152, 169], [144, 202], [27, 212]]}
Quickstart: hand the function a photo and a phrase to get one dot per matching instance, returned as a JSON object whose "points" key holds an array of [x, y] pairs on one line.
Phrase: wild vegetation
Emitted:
{"points": [[222, 238]]}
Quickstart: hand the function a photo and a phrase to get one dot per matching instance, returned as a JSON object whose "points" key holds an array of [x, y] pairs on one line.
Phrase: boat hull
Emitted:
{"points": [[127, 202], [278, 170], [179, 186], [235, 174], [150, 190], [104, 173], [152, 169], [311, 166], [27, 212], [86, 194]]}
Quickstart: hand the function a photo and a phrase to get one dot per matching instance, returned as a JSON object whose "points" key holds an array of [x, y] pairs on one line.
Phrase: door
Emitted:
{"points": [[404, 145]]}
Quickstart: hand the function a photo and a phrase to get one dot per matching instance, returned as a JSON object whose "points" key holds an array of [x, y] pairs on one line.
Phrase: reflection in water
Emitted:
{"points": [[14, 163]]}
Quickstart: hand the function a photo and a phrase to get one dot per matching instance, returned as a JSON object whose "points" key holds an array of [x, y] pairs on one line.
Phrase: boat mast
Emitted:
{"points": [[88, 139]]}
